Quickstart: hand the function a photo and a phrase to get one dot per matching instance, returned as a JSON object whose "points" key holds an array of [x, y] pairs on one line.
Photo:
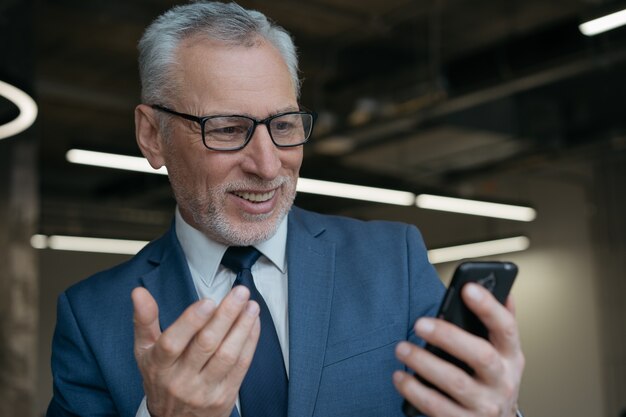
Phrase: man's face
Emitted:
{"points": [[234, 197]]}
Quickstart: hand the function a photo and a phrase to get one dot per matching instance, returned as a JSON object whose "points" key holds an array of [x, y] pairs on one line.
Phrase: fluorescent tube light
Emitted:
{"points": [[87, 244], [478, 250], [111, 160], [333, 189], [26, 106], [476, 208], [356, 192], [603, 24], [305, 185]]}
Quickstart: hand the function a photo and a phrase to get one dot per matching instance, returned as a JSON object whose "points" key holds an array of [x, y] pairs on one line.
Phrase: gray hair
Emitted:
{"points": [[225, 22]]}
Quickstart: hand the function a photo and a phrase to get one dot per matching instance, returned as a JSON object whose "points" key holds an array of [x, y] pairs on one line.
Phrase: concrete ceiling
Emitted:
{"points": [[414, 95]]}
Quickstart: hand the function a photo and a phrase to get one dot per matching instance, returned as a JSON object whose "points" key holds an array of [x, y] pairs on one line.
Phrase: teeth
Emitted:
{"points": [[255, 197]]}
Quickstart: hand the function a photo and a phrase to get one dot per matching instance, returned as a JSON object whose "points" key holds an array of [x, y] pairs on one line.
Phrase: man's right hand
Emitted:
{"points": [[196, 366]]}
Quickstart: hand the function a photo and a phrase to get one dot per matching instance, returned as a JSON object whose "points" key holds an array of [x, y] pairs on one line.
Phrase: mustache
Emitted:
{"points": [[256, 184]]}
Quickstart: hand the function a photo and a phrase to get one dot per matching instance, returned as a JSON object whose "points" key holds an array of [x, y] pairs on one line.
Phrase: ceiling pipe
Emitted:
{"points": [[372, 133]]}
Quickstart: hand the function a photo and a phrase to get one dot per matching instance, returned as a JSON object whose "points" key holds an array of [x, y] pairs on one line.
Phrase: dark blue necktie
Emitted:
{"points": [[263, 392]]}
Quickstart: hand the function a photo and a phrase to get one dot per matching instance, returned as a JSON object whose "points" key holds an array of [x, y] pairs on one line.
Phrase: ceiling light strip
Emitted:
{"points": [[603, 24], [475, 207], [333, 189], [25, 104], [478, 250], [131, 247], [305, 185], [87, 244], [356, 192], [111, 160]]}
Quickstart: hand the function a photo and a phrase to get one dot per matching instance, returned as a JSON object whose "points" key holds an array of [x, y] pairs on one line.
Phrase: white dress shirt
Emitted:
{"points": [[212, 280]]}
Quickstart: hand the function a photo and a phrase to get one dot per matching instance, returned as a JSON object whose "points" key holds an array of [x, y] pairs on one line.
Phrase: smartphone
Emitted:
{"points": [[497, 277]]}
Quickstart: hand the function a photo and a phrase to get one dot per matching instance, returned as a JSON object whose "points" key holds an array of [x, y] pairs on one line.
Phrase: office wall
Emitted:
{"points": [[556, 294]]}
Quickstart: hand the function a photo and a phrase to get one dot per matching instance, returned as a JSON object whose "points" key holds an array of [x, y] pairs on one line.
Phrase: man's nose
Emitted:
{"points": [[263, 157]]}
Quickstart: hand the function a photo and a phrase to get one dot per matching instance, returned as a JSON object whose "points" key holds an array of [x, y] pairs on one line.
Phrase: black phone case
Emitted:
{"points": [[498, 278]]}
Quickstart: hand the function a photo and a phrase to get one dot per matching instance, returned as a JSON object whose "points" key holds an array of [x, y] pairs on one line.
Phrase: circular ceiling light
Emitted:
{"points": [[26, 106]]}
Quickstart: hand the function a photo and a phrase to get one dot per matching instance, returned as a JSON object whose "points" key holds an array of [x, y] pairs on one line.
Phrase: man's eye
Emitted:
{"points": [[227, 132], [283, 126]]}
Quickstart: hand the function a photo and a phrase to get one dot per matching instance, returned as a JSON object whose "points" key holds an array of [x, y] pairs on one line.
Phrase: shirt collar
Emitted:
{"points": [[204, 255]]}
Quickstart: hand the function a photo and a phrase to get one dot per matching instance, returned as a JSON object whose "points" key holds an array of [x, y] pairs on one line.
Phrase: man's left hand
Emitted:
{"points": [[498, 363]]}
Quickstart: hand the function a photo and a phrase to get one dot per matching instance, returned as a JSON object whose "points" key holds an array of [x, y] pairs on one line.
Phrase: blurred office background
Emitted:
{"points": [[504, 101]]}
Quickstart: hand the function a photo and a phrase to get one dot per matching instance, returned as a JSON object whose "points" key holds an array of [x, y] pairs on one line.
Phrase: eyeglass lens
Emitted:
{"points": [[229, 131]]}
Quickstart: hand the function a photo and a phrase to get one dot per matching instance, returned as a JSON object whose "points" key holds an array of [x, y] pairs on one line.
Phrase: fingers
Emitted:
{"points": [[498, 319], [222, 338], [475, 351], [428, 400], [227, 356], [198, 363], [198, 332], [485, 396], [442, 374], [238, 372], [228, 365], [146, 319], [497, 362], [173, 342]]}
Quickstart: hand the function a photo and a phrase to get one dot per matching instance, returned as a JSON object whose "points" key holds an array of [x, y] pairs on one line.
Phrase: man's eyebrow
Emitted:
{"points": [[273, 113], [282, 110], [226, 113], [288, 109]]}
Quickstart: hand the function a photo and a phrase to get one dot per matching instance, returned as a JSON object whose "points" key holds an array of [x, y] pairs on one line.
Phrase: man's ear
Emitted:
{"points": [[148, 136]]}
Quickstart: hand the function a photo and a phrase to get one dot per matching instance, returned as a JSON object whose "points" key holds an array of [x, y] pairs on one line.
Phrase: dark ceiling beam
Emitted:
{"points": [[60, 90], [490, 83], [518, 85]]}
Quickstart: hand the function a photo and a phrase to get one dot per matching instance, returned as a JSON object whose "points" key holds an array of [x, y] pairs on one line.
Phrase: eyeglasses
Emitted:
{"points": [[231, 133]]}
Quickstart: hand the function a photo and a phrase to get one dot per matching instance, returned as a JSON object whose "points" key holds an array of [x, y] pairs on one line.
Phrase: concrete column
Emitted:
{"points": [[18, 277], [18, 221]]}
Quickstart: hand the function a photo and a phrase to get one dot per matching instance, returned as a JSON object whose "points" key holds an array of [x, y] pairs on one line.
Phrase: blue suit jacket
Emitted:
{"points": [[355, 290]]}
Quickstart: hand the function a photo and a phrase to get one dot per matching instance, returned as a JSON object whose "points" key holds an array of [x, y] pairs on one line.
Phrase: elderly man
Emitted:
{"points": [[329, 324]]}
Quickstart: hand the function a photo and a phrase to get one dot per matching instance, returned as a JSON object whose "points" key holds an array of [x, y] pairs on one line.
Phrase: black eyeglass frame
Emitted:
{"points": [[201, 120]]}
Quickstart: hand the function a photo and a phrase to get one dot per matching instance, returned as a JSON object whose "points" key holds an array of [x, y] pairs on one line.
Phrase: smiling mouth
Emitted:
{"points": [[255, 197]]}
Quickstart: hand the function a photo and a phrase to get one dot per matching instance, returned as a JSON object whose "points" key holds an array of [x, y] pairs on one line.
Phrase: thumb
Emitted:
{"points": [[145, 320]]}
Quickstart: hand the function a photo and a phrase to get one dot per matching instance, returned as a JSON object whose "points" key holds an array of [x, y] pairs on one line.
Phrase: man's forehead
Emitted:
{"points": [[223, 70], [200, 55]]}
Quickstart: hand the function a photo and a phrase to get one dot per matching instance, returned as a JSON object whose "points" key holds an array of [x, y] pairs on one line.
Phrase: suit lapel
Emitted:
{"points": [[170, 282], [311, 263]]}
